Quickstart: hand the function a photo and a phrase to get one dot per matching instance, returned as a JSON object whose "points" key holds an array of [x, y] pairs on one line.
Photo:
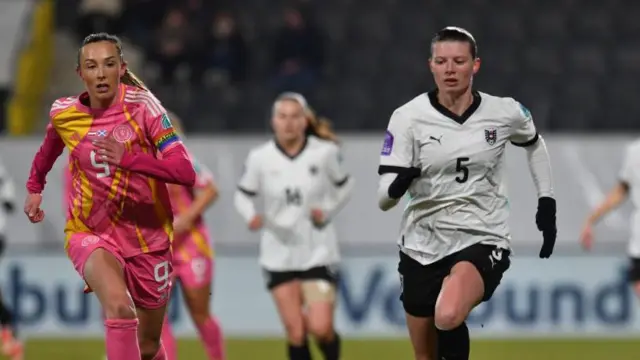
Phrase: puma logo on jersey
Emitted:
{"points": [[430, 141]]}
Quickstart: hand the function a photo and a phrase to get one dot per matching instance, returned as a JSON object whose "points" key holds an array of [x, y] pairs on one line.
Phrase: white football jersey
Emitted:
{"points": [[460, 199], [630, 174], [7, 196], [290, 188]]}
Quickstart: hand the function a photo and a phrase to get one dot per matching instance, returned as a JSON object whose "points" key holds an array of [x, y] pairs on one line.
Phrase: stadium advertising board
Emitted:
{"points": [[564, 296]]}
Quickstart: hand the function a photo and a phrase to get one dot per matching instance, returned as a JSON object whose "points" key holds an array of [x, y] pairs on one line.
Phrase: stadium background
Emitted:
{"points": [[574, 63]]}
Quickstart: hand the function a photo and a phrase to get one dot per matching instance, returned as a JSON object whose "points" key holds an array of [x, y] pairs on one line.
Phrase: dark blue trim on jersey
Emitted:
{"points": [[388, 169], [247, 192], [341, 182], [527, 143]]}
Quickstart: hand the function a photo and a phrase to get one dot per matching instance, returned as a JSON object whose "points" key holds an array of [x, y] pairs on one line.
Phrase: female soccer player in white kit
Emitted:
{"points": [[300, 176], [446, 149], [628, 186]]}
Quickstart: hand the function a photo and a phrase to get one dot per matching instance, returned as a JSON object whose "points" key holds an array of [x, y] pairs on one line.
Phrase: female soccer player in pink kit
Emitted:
{"points": [[193, 258], [119, 228]]}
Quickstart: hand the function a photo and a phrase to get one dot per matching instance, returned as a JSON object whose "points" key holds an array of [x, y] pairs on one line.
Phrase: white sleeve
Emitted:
{"points": [[244, 205], [7, 189], [342, 181], [625, 172], [384, 201], [248, 188], [396, 155], [250, 181], [398, 146], [540, 167], [523, 130]]}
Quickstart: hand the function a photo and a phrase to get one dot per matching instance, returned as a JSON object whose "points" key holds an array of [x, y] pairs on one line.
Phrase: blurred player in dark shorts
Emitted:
{"points": [[11, 347]]}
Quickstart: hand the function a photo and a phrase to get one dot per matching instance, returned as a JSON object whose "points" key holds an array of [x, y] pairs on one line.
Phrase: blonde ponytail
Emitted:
{"points": [[320, 127], [129, 78]]}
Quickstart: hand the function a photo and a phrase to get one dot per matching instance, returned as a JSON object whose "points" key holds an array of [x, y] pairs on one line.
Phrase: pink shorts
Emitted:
{"points": [[148, 275], [192, 267]]}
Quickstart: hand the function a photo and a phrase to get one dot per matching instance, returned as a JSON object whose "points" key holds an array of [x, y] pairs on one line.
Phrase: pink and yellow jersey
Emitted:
{"points": [[121, 204], [195, 243]]}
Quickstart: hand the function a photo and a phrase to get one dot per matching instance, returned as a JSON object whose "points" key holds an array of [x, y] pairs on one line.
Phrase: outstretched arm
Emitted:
{"points": [[540, 167], [50, 149], [614, 198], [174, 167]]}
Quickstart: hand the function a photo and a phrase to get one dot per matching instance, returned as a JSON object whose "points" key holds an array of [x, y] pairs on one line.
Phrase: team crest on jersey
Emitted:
{"points": [[313, 170], [123, 133], [491, 135], [166, 122]]}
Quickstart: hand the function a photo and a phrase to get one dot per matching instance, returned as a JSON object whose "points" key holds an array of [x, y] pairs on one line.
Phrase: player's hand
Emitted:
{"points": [[32, 208], [182, 224], [586, 237], [318, 218], [110, 150], [256, 223], [546, 222]]}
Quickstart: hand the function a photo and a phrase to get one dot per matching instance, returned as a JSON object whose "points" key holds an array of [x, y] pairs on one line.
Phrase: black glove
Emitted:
{"points": [[402, 182], [546, 222]]}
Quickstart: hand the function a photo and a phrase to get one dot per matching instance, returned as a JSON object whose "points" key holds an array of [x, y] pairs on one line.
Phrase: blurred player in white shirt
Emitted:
{"points": [[446, 150], [628, 186], [300, 177], [11, 347]]}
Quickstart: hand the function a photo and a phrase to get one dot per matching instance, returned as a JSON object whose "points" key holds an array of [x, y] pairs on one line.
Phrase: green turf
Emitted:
{"points": [[363, 350]]}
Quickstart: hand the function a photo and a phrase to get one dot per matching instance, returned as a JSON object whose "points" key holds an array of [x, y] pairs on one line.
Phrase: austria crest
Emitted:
{"points": [[491, 135]]}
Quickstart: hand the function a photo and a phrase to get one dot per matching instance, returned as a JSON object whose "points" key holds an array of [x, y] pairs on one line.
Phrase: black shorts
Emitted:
{"points": [[634, 270], [275, 278], [421, 284]]}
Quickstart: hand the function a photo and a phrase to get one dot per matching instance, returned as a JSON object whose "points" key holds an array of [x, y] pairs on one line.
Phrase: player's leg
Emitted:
{"points": [[196, 288], [11, 346], [473, 278], [319, 295], [168, 340], [148, 279], [286, 291], [102, 269], [634, 275], [420, 286]]}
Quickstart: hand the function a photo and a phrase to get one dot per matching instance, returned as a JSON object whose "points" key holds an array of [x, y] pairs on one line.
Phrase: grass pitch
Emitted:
{"points": [[373, 349]]}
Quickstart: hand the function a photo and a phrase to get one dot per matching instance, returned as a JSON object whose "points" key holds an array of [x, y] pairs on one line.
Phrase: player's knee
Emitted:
{"points": [[296, 333], [149, 348], [322, 330], [119, 308], [200, 317], [448, 316]]}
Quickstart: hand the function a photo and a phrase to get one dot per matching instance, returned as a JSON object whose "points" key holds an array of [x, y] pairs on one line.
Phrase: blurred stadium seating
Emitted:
{"points": [[574, 63], [556, 57]]}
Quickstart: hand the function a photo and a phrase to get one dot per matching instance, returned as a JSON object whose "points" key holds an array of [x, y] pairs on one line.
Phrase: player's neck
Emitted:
{"points": [[292, 147], [457, 103], [98, 104]]}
